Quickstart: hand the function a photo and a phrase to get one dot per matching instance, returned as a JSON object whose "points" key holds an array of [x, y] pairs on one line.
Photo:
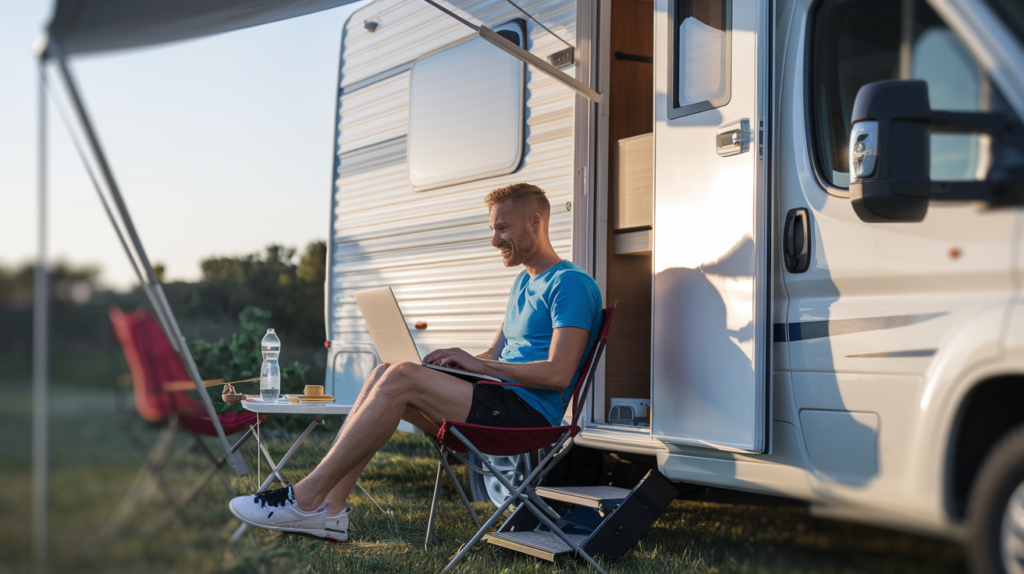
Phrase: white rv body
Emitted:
{"points": [[858, 372]]}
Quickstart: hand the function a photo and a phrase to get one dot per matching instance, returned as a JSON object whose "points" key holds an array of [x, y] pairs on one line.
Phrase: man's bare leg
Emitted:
{"points": [[406, 385], [337, 499]]}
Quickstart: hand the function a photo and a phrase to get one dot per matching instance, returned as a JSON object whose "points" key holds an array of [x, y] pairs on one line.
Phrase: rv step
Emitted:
{"points": [[542, 544], [600, 497], [602, 520]]}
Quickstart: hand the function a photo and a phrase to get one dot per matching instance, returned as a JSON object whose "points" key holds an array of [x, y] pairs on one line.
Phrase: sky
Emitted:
{"points": [[220, 145]]}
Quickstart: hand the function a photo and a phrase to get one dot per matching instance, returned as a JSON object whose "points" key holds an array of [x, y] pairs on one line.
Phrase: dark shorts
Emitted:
{"points": [[498, 406]]}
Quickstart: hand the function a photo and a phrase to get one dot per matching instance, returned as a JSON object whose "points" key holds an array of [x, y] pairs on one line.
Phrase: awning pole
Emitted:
{"points": [[147, 289], [41, 358], [155, 291]]}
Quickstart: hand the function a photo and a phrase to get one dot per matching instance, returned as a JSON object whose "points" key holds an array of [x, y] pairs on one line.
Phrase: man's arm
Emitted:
{"points": [[555, 373], [496, 346]]}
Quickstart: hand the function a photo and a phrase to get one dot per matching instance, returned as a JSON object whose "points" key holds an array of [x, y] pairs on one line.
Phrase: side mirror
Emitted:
{"points": [[890, 151]]}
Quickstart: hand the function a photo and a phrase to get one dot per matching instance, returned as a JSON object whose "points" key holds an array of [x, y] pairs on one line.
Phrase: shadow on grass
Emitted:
{"points": [[93, 465]]}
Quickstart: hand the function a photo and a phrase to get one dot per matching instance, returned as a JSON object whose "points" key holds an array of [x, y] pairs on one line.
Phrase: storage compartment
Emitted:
{"points": [[630, 196]]}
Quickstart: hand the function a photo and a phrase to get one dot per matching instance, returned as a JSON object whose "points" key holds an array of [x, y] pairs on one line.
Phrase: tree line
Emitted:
{"points": [[235, 300]]}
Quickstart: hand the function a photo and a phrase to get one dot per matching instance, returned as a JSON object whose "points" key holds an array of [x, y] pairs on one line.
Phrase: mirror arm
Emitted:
{"points": [[996, 193], [971, 122], [964, 190]]}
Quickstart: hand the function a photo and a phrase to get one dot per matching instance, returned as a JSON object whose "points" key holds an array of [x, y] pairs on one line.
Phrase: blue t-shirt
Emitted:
{"points": [[563, 296]]}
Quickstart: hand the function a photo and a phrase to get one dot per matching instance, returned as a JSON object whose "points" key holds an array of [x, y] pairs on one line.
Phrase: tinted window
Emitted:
{"points": [[1012, 13], [856, 42]]}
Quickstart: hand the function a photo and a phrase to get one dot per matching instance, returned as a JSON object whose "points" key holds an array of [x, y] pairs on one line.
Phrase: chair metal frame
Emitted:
{"points": [[163, 455], [525, 493], [149, 478]]}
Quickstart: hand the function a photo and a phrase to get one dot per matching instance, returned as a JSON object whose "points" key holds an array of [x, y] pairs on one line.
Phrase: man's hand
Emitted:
{"points": [[456, 359]]}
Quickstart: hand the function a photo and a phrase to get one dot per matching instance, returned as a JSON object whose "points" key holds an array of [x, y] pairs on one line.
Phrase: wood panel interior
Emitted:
{"points": [[630, 113]]}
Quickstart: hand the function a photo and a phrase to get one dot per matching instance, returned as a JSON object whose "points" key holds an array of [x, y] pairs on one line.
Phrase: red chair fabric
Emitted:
{"points": [[501, 441], [153, 362]]}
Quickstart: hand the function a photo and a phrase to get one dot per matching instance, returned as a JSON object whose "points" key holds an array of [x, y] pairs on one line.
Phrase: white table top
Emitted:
{"points": [[281, 406]]}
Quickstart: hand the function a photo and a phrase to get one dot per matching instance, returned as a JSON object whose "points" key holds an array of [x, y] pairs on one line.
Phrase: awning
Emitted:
{"points": [[80, 26]]}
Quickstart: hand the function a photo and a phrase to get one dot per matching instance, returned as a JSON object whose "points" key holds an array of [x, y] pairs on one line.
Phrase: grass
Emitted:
{"points": [[93, 463]]}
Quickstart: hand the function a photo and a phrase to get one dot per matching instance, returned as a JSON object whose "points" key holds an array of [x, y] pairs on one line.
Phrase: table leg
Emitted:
{"points": [[288, 455], [275, 471]]}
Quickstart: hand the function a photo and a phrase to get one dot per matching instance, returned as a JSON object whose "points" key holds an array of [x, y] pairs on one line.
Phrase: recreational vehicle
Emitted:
{"points": [[807, 211]]}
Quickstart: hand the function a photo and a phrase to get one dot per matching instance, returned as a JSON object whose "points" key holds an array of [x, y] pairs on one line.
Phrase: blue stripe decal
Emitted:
{"points": [[807, 330], [896, 354]]}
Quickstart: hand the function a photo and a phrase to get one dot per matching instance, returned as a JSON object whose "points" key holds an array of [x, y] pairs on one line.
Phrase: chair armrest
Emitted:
{"points": [[188, 385]]}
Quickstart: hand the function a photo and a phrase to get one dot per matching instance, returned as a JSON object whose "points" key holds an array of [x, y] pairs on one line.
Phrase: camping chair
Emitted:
{"points": [[454, 438], [160, 384]]}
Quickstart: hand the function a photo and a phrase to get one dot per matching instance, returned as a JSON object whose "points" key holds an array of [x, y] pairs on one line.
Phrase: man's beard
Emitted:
{"points": [[526, 245]]}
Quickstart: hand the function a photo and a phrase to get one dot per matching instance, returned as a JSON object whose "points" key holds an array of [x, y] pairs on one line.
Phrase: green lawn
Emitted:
{"points": [[93, 463]]}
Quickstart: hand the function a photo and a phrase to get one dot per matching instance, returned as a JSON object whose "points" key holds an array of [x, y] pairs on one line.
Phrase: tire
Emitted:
{"points": [[995, 509], [489, 489]]}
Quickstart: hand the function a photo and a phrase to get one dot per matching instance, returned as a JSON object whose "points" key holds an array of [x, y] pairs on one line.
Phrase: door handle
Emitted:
{"points": [[796, 241], [733, 138]]}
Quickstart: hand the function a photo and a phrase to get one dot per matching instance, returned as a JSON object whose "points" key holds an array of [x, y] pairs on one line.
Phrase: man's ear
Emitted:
{"points": [[535, 222]]}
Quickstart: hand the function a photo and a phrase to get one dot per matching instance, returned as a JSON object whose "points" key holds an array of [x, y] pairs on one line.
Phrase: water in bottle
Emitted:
{"points": [[270, 373]]}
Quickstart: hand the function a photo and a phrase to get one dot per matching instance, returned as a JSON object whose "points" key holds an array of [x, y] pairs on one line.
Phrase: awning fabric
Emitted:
{"points": [[80, 26]]}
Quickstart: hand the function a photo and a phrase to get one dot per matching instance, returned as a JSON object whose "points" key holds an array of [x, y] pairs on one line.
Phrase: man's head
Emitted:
{"points": [[519, 221]]}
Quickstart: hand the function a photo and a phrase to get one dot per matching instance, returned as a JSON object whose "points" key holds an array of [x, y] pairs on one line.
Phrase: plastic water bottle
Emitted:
{"points": [[270, 373]]}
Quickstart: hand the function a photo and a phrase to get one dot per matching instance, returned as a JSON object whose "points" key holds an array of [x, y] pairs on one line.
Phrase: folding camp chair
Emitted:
{"points": [[159, 380], [454, 438]]}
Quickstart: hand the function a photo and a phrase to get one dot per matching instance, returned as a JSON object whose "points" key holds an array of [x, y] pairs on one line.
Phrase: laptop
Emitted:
{"points": [[391, 334]]}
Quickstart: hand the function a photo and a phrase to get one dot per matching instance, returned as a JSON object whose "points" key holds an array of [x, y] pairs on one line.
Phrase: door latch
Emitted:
{"points": [[733, 138], [796, 240]]}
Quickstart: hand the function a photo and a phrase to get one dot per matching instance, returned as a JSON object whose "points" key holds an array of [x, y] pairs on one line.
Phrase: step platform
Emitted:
{"points": [[604, 521]]}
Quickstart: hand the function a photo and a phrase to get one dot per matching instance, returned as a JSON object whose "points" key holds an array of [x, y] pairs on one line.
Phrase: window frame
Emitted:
{"points": [[810, 120], [676, 111], [521, 28]]}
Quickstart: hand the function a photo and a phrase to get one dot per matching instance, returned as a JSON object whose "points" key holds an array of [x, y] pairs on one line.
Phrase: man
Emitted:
{"points": [[551, 323]]}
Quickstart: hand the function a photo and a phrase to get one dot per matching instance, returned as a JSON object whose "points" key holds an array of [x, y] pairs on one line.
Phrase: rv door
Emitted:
{"points": [[711, 364]]}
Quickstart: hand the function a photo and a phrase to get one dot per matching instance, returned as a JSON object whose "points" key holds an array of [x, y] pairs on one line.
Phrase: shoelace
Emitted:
{"points": [[275, 498]]}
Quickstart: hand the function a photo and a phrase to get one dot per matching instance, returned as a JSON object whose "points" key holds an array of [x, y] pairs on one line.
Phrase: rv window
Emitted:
{"points": [[466, 113], [699, 62], [856, 43]]}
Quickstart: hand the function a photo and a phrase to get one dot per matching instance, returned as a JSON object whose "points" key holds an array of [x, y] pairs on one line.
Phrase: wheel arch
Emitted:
{"points": [[989, 409]]}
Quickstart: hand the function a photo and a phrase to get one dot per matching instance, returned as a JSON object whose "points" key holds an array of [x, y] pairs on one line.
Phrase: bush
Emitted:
{"points": [[241, 357]]}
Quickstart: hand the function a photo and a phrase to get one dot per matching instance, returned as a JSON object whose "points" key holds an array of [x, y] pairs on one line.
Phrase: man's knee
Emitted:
{"points": [[403, 369], [399, 376], [377, 373]]}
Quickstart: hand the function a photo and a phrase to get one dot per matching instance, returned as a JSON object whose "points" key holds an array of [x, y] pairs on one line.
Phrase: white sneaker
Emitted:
{"points": [[277, 510], [337, 524]]}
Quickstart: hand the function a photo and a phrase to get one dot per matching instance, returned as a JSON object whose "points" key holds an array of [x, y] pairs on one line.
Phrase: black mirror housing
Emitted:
{"points": [[890, 151]]}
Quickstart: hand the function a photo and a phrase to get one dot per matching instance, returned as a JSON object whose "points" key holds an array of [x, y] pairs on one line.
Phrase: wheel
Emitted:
{"points": [[488, 488], [995, 509]]}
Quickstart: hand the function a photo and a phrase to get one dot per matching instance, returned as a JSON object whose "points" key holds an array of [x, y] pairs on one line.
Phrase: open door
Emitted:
{"points": [[712, 225]]}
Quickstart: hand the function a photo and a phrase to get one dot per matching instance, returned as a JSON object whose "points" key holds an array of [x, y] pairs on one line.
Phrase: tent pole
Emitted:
{"points": [[155, 291], [41, 358]]}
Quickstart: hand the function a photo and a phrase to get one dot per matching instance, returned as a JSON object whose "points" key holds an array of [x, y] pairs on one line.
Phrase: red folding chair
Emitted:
{"points": [[455, 438], [159, 381]]}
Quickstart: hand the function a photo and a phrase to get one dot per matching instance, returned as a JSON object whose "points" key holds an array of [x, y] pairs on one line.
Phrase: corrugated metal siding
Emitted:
{"points": [[433, 247]]}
